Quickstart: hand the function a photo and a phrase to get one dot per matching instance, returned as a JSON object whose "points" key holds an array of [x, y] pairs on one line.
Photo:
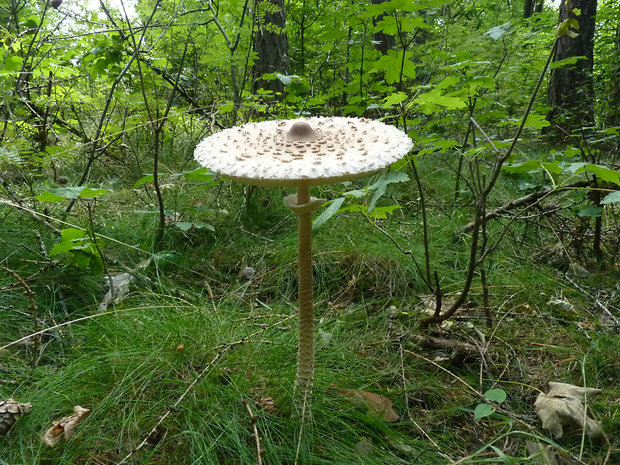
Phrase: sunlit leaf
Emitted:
{"points": [[187, 225], [331, 209], [495, 395], [614, 197], [143, 180]]}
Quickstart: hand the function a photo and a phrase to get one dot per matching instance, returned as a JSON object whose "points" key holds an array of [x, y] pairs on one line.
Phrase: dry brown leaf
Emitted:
{"points": [[563, 407], [378, 406], [64, 429]]}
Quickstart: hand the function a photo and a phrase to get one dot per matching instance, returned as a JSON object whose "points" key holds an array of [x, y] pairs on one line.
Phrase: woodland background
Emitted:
{"points": [[455, 285]]}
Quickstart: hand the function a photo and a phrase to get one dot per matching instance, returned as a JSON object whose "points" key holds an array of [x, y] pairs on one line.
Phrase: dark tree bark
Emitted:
{"points": [[532, 6], [539, 6], [270, 43], [571, 90], [614, 86], [383, 41]]}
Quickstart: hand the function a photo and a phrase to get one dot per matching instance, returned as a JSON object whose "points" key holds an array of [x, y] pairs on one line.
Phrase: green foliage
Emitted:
{"points": [[79, 249], [58, 194], [484, 410], [75, 107]]}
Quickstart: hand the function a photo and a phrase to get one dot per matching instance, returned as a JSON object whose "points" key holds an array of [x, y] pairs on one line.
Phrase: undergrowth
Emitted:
{"points": [[194, 316]]}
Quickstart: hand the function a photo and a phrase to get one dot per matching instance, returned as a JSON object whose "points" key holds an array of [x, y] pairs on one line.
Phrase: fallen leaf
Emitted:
{"points": [[563, 406], [64, 429], [378, 406], [118, 289]]}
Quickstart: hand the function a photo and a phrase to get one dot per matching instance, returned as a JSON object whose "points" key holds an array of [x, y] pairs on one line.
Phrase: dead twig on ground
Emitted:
{"points": [[254, 435]]}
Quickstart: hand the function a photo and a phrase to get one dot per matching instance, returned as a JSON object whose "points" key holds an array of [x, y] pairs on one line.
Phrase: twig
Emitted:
{"points": [[33, 308], [255, 435], [18, 202], [221, 350], [465, 383], [525, 200], [594, 299], [406, 252]]}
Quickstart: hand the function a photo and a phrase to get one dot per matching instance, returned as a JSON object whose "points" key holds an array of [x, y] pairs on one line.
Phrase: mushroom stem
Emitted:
{"points": [[303, 205], [305, 352]]}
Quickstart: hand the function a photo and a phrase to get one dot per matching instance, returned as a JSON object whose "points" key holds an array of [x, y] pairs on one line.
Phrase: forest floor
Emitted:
{"points": [[196, 364]]}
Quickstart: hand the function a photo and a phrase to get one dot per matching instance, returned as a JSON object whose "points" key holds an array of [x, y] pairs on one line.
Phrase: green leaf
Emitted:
{"points": [[381, 213], [326, 214], [434, 100], [536, 121], [566, 61], [605, 174], [449, 81], [498, 31], [89, 193], [187, 225], [395, 99], [12, 63], [72, 239], [143, 180], [614, 197], [47, 196], [226, 107], [57, 194], [199, 174], [591, 212], [495, 395], [380, 186], [483, 411], [391, 64], [506, 460]]}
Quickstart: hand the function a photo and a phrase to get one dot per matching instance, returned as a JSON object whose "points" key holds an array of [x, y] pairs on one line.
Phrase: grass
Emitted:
{"points": [[194, 319]]}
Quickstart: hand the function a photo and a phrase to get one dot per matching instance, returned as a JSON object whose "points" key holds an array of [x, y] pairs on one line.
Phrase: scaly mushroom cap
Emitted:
{"points": [[311, 151]]}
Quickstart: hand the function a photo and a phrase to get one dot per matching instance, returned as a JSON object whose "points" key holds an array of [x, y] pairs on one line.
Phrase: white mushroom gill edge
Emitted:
{"points": [[340, 149]]}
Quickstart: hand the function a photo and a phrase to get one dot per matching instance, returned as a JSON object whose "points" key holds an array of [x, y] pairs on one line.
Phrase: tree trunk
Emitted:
{"points": [[614, 86], [270, 43], [571, 90], [383, 41], [539, 6], [532, 6]]}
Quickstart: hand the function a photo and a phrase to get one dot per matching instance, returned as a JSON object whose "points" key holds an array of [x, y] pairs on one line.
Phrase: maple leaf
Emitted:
{"points": [[563, 406]]}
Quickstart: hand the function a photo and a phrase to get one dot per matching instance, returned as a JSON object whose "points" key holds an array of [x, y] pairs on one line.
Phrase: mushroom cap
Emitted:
{"points": [[311, 151]]}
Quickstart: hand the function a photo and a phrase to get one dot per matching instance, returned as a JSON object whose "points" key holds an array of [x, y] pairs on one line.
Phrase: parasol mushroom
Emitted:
{"points": [[302, 153]]}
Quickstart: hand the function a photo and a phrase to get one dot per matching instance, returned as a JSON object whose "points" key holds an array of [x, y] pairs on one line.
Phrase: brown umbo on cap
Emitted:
{"points": [[311, 151]]}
